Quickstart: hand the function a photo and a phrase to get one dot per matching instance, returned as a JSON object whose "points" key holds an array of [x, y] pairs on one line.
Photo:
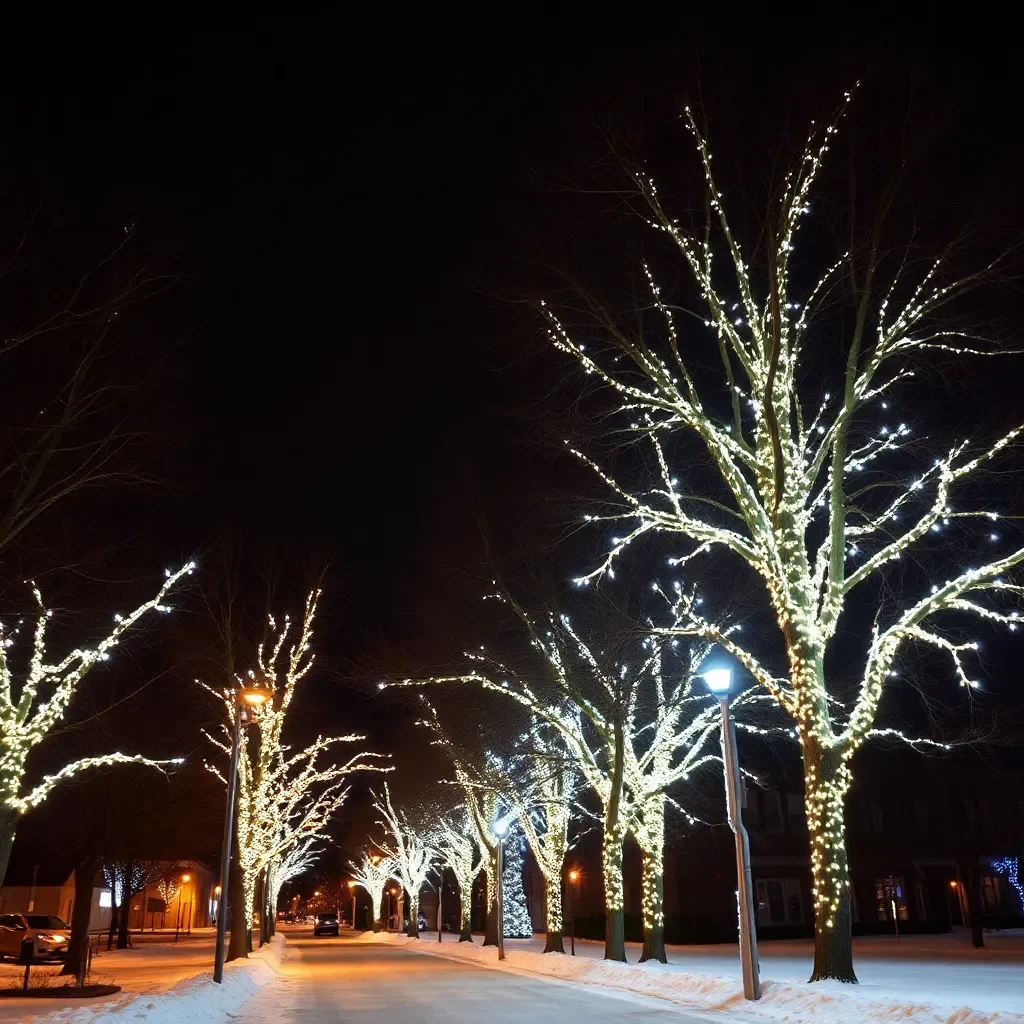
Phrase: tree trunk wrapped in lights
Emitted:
{"points": [[458, 851], [284, 797], [649, 831], [818, 493], [373, 873], [27, 718], [411, 854]]}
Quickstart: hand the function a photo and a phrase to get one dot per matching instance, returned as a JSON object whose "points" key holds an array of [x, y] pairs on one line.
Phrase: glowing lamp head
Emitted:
{"points": [[719, 680], [351, 885], [394, 892], [254, 696], [573, 875], [216, 890], [500, 828], [186, 878], [317, 893], [952, 885]]}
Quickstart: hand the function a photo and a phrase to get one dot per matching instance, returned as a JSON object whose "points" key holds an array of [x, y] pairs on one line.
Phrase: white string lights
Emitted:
{"points": [[373, 872], [285, 797], [817, 508], [410, 852], [631, 730], [30, 709]]}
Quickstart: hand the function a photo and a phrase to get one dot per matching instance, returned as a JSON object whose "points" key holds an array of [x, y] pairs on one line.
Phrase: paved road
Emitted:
{"points": [[342, 980]]}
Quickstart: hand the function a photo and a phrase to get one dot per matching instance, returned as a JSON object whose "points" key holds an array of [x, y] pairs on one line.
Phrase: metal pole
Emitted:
{"points": [[501, 899], [572, 915], [734, 803], [353, 910], [440, 886], [225, 853]]}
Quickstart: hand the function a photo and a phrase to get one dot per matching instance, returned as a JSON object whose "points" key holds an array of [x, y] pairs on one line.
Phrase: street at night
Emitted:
{"points": [[510, 515], [347, 980]]}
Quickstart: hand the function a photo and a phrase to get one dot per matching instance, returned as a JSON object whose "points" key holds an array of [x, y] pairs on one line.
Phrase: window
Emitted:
{"points": [[971, 814], [795, 812], [877, 819], [105, 901], [921, 815], [771, 811], [990, 889], [987, 818], [779, 901], [890, 896], [920, 902]]}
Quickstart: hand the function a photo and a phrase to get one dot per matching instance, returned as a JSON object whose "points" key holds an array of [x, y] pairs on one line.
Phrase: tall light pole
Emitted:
{"points": [[352, 889], [500, 828], [573, 879], [246, 699], [719, 682]]}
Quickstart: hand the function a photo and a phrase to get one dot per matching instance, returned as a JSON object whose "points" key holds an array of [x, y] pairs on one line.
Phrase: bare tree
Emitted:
{"points": [[816, 490], [34, 704]]}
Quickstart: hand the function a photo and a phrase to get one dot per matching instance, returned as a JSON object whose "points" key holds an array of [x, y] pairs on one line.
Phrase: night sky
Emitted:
{"points": [[355, 204]]}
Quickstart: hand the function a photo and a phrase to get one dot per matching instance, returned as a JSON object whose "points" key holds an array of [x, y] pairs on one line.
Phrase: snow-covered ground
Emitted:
{"points": [[161, 982], [918, 980]]}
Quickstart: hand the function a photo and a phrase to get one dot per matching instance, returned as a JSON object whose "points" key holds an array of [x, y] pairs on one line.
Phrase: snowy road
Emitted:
{"points": [[343, 980]]}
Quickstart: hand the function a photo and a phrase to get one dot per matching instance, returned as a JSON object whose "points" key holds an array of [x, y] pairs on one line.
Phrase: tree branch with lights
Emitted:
{"points": [[818, 492], [34, 698], [373, 872], [411, 852], [285, 797]]}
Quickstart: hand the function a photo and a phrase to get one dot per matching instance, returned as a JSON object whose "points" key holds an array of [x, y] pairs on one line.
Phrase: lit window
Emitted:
{"points": [[105, 901]]}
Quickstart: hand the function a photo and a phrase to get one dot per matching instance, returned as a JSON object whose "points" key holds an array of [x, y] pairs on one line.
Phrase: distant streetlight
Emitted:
{"points": [[574, 877], [719, 682], [500, 828], [247, 699], [352, 889]]}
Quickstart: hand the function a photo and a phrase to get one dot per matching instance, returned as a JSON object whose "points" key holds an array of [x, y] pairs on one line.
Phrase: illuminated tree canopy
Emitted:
{"points": [[35, 698], [818, 489]]}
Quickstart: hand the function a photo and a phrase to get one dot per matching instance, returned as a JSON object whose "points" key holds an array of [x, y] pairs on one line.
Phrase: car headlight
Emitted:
{"points": [[51, 938]]}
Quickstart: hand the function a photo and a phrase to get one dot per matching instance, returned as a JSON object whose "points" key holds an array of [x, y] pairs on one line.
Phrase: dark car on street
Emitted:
{"points": [[326, 924]]}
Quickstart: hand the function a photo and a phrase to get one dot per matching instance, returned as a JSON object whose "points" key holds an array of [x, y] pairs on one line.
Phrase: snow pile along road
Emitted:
{"points": [[780, 1001], [192, 1001]]}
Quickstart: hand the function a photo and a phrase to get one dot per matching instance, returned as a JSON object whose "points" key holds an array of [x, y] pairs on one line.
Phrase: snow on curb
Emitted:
{"points": [[780, 1001], [195, 1000]]}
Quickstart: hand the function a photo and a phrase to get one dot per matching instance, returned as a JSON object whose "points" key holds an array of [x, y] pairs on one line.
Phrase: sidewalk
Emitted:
{"points": [[152, 969], [934, 979]]}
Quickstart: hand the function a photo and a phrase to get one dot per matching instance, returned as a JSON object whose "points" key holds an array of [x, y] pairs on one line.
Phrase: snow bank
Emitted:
{"points": [[780, 1001], [195, 1000]]}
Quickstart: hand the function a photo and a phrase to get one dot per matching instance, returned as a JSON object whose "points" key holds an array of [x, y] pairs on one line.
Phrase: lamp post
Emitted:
{"points": [[352, 889], [574, 876], [247, 698], [719, 682], [500, 828]]}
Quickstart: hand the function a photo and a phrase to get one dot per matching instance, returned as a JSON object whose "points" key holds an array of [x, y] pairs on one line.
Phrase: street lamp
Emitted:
{"points": [[500, 828], [574, 877], [247, 699], [352, 889], [719, 680]]}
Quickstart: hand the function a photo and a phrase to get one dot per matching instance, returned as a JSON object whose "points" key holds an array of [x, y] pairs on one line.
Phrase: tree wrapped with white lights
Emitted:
{"points": [[284, 797], [459, 851], [817, 491], [299, 857], [372, 872], [515, 915], [34, 698], [542, 793], [632, 729], [411, 853]]}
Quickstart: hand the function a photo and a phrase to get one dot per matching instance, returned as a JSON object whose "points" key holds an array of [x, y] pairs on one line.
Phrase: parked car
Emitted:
{"points": [[326, 924], [49, 935], [421, 923]]}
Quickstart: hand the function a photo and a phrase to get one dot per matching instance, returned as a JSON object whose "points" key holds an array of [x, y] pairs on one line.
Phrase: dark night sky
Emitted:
{"points": [[342, 192]]}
